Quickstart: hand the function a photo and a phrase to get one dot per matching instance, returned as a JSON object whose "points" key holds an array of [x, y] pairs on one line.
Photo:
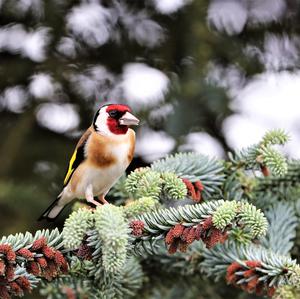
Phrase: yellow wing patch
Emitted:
{"points": [[71, 168]]}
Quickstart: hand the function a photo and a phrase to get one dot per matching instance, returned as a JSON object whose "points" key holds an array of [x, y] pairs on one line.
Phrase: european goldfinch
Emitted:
{"points": [[101, 156]]}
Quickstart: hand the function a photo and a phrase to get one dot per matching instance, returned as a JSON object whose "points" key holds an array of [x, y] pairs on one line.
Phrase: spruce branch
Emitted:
{"points": [[276, 136], [273, 160], [68, 287], [209, 222], [158, 222], [173, 187], [88, 277], [142, 205], [97, 254], [245, 158], [250, 267], [113, 232], [194, 167], [17, 241], [282, 229], [124, 284], [280, 184], [26, 259], [103, 238], [238, 185], [80, 283], [225, 214], [145, 182], [253, 220], [21, 283], [107, 233], [164, 179], [262, 155], [76, 226], [130, 279], [102, 284]]}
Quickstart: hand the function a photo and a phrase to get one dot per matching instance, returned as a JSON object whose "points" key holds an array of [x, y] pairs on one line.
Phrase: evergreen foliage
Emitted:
{"points": [[113, 234], [263, 154], [140, 206], [243, 230], [158, 185], [282, 229], [194, 167], [268, 268], [75, 228]]}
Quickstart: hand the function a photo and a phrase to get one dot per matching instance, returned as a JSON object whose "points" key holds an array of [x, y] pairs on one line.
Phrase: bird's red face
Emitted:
{"points": [[116, 118]]}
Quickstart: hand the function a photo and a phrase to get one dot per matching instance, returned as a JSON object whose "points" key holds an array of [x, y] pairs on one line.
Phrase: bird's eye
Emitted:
{"points": [[113, 113]]}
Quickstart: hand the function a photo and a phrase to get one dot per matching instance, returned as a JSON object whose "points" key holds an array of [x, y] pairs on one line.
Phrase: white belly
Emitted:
{"points": [[102, 179]]}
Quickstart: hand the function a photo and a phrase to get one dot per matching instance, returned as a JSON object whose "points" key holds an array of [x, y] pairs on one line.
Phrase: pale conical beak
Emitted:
{"points": [[128, 119]]}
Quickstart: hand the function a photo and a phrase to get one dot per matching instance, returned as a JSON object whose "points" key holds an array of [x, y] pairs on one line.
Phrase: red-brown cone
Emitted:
{"points": [[2, 267], [9, 272], [253, 264], [173, 247], [33, 268], [15, 288], [137, 227], [191, 236], [207, 223], [42, 262], [49, 252], [190, 188], [24, 283], [39, 244], [265, 170], [26, 253], [177, 230]]}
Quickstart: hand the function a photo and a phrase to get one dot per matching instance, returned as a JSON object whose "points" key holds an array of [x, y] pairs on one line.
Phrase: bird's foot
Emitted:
{"points": [[93, 201], [90, 197], [102, 199]]}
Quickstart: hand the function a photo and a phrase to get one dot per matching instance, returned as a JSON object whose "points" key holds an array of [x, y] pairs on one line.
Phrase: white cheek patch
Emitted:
{"points": [[101, 123]]}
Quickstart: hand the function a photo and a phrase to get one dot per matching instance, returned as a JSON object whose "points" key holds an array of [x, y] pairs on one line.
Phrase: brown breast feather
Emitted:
{"points": [[98, 152], [99, 149]]}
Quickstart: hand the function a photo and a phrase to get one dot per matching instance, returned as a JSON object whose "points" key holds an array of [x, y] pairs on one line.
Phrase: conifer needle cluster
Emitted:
{"points": [[187, 216]]}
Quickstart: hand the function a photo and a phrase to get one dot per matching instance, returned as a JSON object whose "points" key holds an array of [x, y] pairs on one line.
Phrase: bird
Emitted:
{"points": [[100, 158]]}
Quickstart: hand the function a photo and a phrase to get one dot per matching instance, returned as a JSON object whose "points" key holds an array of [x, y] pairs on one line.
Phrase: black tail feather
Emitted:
{"points": [[49, 209]]}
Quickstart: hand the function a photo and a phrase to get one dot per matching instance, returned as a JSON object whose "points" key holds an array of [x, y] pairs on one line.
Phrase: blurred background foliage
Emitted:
{"points": [[202, 75]]}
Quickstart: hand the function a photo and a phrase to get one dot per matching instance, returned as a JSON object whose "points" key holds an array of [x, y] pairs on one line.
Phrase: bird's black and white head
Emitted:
{"points": [[114, 119]]}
